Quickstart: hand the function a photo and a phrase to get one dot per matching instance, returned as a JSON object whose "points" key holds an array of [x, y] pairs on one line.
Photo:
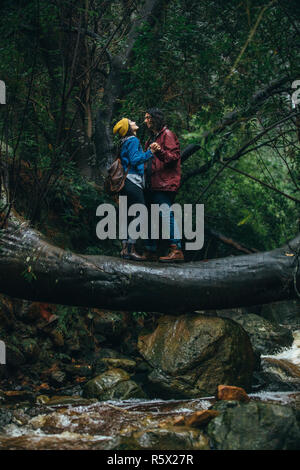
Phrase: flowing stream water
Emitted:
{"points": [[76, 423]]}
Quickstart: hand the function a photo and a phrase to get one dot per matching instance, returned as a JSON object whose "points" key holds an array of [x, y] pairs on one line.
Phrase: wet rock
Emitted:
{"points": [[126, 390], [42, 399], [71, 390], [173, 421], [192, 354], [112, 384], [57, 377], [65, 400], [79, 370], [125, 364], [66, 441], [266, 337], [278, 375], [170, 438], [200, 418], [16, 396], [108, 352], [254, 426], [6, 417], [99, 359], [110, 324], [20, 418], [226, 392], [286, 312]]}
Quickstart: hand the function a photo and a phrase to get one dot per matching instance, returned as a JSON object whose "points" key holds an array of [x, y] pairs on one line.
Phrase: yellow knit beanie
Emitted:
{"points": [[121, 127]]}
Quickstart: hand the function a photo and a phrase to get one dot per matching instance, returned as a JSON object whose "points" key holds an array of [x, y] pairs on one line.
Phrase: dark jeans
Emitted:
{"points": [[162, 197], [135, 195]]}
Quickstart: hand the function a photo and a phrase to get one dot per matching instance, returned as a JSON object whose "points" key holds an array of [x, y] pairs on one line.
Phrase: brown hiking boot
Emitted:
{"points": [[124, 252], [175, 255], [150, 255], [132, 254]]}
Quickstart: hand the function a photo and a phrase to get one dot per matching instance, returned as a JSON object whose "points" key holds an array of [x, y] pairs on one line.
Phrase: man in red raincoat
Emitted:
{"points": [[163, 175]]}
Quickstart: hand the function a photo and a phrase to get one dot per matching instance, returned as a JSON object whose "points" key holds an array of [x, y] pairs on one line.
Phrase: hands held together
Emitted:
{"points": [[155, 147]]}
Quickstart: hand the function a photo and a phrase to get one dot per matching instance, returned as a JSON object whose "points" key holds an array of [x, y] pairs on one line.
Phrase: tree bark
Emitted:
{"points": [[31, 268]]}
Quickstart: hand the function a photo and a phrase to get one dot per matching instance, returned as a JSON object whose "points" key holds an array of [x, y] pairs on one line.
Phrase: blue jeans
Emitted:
{"points": [[162, 197], [135, 195]]}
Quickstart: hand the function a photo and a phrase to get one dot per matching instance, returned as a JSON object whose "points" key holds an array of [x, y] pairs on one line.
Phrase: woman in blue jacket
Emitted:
{"points": [[132, 154]]}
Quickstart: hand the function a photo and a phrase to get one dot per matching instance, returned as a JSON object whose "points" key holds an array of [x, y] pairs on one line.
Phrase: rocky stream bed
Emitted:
{"points": [[91, 379]]}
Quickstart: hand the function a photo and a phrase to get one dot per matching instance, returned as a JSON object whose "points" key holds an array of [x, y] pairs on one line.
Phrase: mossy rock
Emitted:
{"points": [[254, 426]]}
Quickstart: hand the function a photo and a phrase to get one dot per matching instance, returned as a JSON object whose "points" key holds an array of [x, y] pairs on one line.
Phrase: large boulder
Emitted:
{"points": [[266, 337], [192, 354], [254, 426]]}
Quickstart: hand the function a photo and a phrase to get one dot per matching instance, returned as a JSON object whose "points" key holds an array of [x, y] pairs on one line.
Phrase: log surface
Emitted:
{"points": [[63, 277]]}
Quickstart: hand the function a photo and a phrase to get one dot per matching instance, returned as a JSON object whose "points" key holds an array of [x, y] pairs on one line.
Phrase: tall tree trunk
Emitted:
{"points": [[113, 88], [103, 132]]}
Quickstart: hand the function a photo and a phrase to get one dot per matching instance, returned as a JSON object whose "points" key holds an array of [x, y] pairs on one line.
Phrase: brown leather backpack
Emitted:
{"points": [[116, 177]]}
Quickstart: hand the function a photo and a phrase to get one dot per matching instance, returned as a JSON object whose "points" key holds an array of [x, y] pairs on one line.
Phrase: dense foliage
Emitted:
{"points": [[199, 61]]}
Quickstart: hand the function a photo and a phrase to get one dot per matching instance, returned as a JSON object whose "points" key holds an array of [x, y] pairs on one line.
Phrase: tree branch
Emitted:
{"points": [[255, 102], [229, 241], [263, 183], [242, 151]]}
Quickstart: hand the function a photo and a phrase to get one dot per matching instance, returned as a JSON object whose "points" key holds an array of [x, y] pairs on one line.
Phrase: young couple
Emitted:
{"points": [[153, 178]]}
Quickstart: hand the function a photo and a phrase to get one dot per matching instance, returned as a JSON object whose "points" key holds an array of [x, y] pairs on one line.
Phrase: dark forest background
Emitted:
{"points": [[223, 73]]}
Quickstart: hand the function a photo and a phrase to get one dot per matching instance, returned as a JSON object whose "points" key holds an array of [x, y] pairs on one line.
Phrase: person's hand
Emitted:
{"points": [[155, 147]]}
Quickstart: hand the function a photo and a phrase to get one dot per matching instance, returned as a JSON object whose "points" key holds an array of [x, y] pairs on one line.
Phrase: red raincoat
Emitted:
{"points": [[166, 170]]}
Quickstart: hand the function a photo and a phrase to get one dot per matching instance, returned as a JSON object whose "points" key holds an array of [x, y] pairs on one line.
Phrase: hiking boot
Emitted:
{"points": [[175, 255], [124, 252], [150, 255], [133, 255]]}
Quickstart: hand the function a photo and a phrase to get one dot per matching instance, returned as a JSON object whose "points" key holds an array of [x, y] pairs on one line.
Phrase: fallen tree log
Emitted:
{"points": [[33, 269]]}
